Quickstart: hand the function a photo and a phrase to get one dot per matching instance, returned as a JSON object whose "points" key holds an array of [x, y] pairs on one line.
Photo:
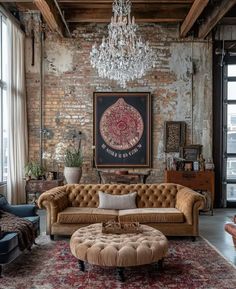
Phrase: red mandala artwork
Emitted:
{"points": [[121, 125]]}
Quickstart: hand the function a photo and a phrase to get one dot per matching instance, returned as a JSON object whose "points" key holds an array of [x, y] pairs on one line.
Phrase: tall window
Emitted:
{"points": [[230, 132], [3, 93]]}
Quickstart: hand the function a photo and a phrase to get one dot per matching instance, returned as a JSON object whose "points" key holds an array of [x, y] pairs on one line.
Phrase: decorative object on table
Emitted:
{"points": [[113, 227], [196, 166], [34, 170], [122, 56], [169, 163], [50, 176], [209, 165], [201, 161], [121, 172], [191, 152], [180, 164], [174, 135], [188, 166], [122, 129], [73, 165], [174, 165]]}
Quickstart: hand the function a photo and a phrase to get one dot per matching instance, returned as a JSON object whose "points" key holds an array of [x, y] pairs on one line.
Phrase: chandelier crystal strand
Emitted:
{"points": [[122, 56]]}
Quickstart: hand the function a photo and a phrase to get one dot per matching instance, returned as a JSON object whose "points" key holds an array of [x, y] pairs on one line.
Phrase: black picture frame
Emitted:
{"points": [[122, 129], [188, 165], [191, 152], [174, 136]]}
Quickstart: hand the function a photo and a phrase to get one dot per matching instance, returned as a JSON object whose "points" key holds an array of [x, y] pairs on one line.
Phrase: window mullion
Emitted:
{"points": [[1, 104]]}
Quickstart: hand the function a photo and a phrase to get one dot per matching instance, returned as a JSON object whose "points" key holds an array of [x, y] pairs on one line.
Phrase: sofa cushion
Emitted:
{"points": [[123, 202], [73, 215], [152, 215]]}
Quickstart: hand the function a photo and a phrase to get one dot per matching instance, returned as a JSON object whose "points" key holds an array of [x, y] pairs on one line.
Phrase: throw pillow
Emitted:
{"points": [[114, 202]]}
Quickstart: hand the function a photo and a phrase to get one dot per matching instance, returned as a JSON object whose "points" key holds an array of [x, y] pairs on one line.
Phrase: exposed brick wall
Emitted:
{"points": [[70, 82]]}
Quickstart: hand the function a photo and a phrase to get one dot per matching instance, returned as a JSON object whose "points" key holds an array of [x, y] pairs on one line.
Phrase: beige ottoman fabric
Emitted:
{"points": [[91, 245]]}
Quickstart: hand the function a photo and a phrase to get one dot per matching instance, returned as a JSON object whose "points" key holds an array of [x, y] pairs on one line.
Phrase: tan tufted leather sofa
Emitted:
{"points": [[170, 208]]}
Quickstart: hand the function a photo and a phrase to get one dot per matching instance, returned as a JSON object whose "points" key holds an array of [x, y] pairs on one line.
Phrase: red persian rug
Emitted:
{"points": [[189, 265]]}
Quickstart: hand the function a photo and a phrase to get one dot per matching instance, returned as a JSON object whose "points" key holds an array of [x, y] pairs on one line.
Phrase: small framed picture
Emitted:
{"points": [[174, 135], [188, 166], [196, 166], [191, 152]]}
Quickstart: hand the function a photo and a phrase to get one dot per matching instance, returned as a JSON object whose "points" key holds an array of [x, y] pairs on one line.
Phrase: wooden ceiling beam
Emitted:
{"points": [[228, 21], [148, 13], [133, 1], [104, 20], [193, 14], [51, 16], [215, 16]]}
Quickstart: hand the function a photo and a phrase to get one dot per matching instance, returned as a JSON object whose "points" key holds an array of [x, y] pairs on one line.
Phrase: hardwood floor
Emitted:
{"points": [[210, 227]]}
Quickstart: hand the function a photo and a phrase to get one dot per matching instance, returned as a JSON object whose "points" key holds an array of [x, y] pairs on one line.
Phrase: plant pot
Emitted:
{"points": [[72, 175]]}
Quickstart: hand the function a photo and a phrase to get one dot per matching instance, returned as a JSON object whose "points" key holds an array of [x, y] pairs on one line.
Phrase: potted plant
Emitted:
{"points": [[73, 165], [34, 170]]}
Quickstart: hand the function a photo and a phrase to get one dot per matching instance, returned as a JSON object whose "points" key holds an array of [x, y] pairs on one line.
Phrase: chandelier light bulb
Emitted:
{"points": [[122, 56]]}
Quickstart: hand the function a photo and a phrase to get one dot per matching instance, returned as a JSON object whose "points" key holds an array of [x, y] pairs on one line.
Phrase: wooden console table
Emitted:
{"points": [[33, 188], [198, 181], [130, 178]]}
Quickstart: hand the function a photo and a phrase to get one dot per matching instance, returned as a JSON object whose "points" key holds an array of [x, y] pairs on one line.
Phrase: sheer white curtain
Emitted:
{"points": [[17, 117]]}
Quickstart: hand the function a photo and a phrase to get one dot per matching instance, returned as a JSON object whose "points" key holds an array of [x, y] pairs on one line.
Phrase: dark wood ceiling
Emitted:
{"points": [[196, 17]]}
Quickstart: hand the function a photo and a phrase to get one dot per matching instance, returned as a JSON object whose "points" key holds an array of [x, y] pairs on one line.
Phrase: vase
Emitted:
{"points": [[72, 174]]}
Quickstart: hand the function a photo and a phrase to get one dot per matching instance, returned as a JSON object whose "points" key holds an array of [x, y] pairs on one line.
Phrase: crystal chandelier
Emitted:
{"points": [[122, 56]]}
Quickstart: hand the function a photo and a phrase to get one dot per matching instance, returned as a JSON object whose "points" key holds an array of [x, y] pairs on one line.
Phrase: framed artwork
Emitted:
{"points": [[191, 152], [122, 129], [188, 166], [174, 135]]}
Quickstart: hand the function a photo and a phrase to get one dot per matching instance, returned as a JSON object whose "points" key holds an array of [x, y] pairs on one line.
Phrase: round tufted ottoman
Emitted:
{"points": [[91, 245]]}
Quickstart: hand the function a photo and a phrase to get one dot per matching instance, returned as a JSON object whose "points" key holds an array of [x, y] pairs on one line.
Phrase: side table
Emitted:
{"points": [[34, 188], [195, 180]]}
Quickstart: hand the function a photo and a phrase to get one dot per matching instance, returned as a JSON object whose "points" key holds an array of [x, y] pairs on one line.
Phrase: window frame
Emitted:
{"points": [[3, 87], [226, 102]]}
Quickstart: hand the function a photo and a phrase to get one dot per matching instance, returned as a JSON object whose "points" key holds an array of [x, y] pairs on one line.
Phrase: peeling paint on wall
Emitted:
{"points": [[180, 60], [58, 59]]}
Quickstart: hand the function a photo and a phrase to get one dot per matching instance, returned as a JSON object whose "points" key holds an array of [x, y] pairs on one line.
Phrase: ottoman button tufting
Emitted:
{"points": [[119, 251]]}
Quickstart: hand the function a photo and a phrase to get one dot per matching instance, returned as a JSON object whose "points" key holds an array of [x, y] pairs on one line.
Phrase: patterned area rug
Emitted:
{"points": [[189, 265]]}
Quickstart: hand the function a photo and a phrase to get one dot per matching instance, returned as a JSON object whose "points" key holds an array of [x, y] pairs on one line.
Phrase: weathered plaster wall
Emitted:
{"points": [[180, 85]]}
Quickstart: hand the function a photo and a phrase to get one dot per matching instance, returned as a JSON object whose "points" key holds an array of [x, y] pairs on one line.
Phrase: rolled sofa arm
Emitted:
{"points": [[189, 202], [22, 210], [54, 201]]}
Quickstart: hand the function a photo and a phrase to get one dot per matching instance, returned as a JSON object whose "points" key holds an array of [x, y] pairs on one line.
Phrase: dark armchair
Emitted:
{"points": [[9, 248]]}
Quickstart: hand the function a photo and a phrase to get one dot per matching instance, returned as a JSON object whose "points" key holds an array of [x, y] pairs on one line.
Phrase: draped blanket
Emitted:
{"points": [[24, 229]]}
